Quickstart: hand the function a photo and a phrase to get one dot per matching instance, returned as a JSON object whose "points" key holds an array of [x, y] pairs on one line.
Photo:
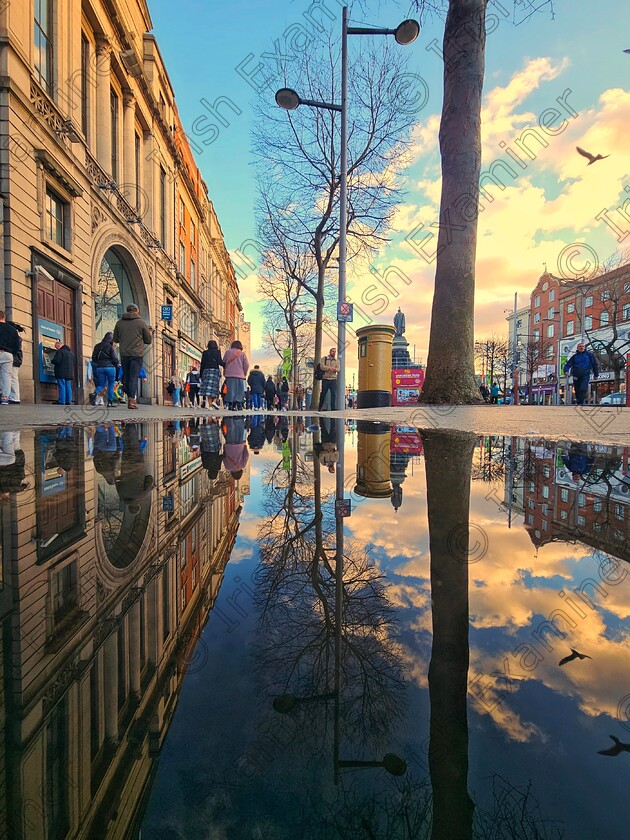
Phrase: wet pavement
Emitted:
{"points": [[299, 627]]}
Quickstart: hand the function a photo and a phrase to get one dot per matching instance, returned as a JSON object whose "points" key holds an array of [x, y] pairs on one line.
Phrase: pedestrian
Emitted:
{"points": [[235, 452], [63, 365], [581, 364], [299, 395], [270, 392], [256, 381], [248, 398], [14, 396], [192, 385], [494, 394], [132, 334], [236, 368], [330, 368], [174, 387], [10, 350], [211, 361], [284, 394], [104, 366]]}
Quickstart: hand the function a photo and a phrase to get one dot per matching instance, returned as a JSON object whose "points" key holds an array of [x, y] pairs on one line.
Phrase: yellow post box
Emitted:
{"points": [[375, 365]]}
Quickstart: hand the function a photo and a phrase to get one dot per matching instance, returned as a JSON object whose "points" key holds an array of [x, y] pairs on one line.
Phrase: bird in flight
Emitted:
{"points": [[574, 655], [591, 158], [617, 747]]}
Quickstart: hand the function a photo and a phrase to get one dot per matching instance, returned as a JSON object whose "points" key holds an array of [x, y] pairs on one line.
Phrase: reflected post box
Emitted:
{"points": [[375, 365], [373, 461]]}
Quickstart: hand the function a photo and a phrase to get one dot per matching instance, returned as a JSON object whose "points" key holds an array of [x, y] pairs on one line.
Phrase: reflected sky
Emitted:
{"points": [[158, 604]]}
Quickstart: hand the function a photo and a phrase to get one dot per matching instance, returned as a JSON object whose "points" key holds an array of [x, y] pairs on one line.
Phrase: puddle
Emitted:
{"points": [[270, 628]]}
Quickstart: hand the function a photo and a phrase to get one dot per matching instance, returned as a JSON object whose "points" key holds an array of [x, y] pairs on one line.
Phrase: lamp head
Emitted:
{"points": [[287, 98], [407, 32]]}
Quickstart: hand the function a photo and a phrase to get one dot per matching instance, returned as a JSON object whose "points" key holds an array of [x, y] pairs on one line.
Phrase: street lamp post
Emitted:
{"points": [[405, 33]]}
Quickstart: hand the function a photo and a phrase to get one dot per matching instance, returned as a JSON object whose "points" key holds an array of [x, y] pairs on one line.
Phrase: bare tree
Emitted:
{"points": [[492, 353], [298, 160]]}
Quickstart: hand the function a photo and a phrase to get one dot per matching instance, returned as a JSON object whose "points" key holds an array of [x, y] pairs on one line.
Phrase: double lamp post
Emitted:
{"points": [[287, 98]]}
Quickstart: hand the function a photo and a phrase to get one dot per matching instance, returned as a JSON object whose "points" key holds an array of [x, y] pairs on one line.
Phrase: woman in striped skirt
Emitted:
{"points": [[211, 360]]}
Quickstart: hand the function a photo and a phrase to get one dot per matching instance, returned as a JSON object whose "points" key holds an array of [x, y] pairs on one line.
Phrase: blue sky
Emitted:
{"points": [[529, 64]]}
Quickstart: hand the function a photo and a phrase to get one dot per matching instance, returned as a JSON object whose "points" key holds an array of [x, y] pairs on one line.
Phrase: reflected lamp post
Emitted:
{"points": [[287, 98]]}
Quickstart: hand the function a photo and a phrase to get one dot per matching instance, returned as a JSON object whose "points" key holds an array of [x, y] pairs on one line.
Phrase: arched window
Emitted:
{"points": [[114, 292]]}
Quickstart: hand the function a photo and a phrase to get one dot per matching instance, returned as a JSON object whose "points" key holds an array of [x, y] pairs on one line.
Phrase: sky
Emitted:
{"points": [[560, 72]]}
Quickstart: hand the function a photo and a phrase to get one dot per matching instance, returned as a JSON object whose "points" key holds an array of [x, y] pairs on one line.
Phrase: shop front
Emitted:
{"points": [[189, 355]]}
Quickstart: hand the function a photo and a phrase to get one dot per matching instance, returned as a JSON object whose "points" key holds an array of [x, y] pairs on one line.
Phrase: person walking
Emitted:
{"points": [[284, 394], [256, 381], [236, 369], [581, 364], [10, 350], [494, 394], [211, 361], [192, 381], [63, 365], [104, 366], [299, 395], [132, 334], [270, 392], [177, 384], [330, 367], [14, 396]]}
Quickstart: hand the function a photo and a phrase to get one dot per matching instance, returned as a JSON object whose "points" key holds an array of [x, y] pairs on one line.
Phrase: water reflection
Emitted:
{"points": [[372, 675]]}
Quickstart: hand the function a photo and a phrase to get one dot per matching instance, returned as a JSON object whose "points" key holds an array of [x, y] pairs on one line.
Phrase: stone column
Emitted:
{"points": [[110, 687], [103, 104], [128, 186], [151, 182], [134, 649]]}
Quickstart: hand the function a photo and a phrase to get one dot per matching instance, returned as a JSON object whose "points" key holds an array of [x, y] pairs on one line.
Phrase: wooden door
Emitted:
{"points": [[168, 369], [55, 302]]}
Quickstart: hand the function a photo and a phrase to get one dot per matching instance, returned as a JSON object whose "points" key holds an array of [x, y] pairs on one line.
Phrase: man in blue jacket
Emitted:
{"points": [[581, 364]]}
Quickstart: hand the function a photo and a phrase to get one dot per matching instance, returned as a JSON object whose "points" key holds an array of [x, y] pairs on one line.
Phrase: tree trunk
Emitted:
{"points": [[450, 363], [448, 462]]}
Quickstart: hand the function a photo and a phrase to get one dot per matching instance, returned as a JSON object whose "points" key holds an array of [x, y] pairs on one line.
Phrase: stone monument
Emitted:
{"points": [[400, 352]]}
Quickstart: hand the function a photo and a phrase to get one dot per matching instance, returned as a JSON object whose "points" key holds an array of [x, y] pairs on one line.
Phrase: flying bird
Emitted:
{"points": [[617, 747], [574, 655], [591, 158]]}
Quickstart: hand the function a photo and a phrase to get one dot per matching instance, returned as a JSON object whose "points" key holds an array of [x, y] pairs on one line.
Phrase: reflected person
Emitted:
{"points": [[235, 452], [134, 484]]}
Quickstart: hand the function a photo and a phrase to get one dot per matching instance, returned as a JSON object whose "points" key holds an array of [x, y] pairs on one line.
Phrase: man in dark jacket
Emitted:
{"points": [[63, 364], [132, 333], [256, 381], [581, 364], [10, 347], [270, 392]]}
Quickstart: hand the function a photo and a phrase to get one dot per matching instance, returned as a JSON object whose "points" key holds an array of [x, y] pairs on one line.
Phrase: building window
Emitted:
{"points": [[536, 335], [581, 500], [532, 487], [626, 312], [193, 274], [57, 217], [43, 44], [626, 288], [551, 313], [550, 330], [570, 308], [588, 322], [193, 232], [619, 511], [564, 514], [137, 152], [564, 494], [605, 295], [65, 595], [181, 212], [552, 295], [531, 504], [114, 102], [544, 525], [597, 505], [604, 319], [530, 519], [537, 300], [182, 258], [537, 318], [570, 327], [545, 492], [162, 206], [550, 351], [85, 87], [581, 520], [519, 324], [588, 301], [57, 793]]}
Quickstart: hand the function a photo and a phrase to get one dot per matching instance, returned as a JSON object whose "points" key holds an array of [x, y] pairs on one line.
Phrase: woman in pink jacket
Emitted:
{"points": [[236, 368]]}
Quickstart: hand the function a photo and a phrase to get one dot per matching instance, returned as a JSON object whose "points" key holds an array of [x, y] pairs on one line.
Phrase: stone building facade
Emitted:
{"points": [[102, 202]]}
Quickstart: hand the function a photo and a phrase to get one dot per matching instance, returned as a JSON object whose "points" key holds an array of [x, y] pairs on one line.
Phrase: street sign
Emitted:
{"points": [[167, 313], [343, 507], [344, 311]]}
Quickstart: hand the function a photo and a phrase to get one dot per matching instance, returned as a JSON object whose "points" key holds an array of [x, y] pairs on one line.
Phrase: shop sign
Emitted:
{"points": [[189, 350], [187, 469], [167, 313]]}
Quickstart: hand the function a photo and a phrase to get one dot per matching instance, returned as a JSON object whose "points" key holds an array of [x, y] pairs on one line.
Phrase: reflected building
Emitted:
{"points": [[113, 552]]}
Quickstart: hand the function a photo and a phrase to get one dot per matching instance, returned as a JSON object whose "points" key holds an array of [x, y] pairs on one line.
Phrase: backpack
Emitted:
{"points": [[170, 388], [319, 372]]}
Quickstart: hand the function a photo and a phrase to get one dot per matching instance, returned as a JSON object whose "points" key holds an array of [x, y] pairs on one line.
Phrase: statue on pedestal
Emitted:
{"points": [[399, 322]]}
